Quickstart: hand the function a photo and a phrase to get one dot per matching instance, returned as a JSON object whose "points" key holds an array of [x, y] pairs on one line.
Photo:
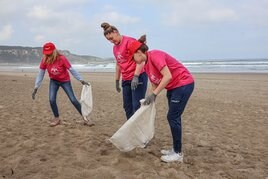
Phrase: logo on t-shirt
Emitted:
{"points": [[54, 71], [120, 58], [154, 79]]}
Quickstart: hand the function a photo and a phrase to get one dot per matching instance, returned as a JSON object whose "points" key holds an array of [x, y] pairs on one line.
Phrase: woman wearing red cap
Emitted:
{"points": [[57, 66], [164, 71], [134, 79]]}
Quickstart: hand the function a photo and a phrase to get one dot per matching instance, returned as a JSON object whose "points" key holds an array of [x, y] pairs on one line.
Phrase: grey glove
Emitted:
{"points": [[34, 93], [134, 82], [149, 99], [84, 82], [117, 86]]}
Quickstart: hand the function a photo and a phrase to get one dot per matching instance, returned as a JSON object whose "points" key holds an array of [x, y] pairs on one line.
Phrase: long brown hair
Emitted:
{"points": [[107, 28], [53, 58]]}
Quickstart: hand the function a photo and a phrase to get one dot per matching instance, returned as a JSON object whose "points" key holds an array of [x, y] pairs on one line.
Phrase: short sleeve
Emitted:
{"points": [[65, 62], [43, 66], [159, 60]]}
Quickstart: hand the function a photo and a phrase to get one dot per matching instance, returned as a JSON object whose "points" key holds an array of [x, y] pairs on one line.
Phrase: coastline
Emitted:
{"points": [[195, 66]]}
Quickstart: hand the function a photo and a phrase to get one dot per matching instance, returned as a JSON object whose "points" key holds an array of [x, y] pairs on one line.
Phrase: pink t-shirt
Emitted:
{"points": [[123, 58], [58, 70], [157, 60]]}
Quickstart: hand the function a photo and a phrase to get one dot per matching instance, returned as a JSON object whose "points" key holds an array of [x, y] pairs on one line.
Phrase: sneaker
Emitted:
{"points": [[175, 157], [167, 152], [54, 122], [88, 122]]}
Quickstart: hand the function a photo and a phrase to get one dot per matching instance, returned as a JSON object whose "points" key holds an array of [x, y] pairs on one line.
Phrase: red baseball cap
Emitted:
{"points": [[134, 46], [48, 48]]}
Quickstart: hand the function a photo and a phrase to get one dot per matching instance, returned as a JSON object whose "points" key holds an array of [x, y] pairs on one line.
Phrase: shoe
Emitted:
{"points": [[88, 122], [54, 122], [175, 157], [167, 152]]}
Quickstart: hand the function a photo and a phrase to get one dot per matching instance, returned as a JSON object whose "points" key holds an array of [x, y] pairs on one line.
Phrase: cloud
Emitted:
{"points": [[6, 7], [219, 15], [39, 38], [75, 24], [59, 24], [197, 12], [6, 32], [255, 12], [114, 17], [207, 12], [51, 21], [40, 13]]}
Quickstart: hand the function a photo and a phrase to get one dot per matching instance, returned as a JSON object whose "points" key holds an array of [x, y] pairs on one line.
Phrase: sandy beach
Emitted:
{"points": [[224, 132]]}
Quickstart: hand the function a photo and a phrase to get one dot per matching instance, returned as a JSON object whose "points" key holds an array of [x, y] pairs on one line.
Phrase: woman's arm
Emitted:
{"points": [[153, 87], [117, 72], [75, 74], [138, 69], [39, 78]]}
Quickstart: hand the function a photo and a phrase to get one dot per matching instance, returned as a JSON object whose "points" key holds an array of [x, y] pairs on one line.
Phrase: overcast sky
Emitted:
{"points": [[187, 29]]}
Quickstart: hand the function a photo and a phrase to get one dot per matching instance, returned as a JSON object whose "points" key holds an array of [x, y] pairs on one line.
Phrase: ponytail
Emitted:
{"points": [[144, 48]]}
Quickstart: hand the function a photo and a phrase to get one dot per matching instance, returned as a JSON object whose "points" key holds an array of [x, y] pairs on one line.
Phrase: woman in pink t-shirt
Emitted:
{"points": [[164, 71], [134, 79], [58, 66]]}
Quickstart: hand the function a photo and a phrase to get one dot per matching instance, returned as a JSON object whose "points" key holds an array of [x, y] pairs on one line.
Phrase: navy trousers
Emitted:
{"points": [[177, 100], [131, 98]]}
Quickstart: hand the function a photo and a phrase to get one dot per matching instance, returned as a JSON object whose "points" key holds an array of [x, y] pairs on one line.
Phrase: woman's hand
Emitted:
{"points": [[84, 82], [34, 93], [149, 99]]}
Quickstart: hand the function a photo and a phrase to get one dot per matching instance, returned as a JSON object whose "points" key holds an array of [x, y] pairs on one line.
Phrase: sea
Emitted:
{"points": [[194, 66]]}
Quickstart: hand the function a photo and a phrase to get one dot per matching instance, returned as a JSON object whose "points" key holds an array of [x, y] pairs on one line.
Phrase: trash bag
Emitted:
{"points": [[136, 131], [86, 100]]}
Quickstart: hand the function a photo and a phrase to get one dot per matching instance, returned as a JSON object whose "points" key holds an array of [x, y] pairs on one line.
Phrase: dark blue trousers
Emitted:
{"points": [[131, 98], [177, 100]]}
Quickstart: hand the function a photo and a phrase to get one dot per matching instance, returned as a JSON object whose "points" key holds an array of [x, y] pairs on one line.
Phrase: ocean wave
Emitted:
{"points": [[250, 66]]}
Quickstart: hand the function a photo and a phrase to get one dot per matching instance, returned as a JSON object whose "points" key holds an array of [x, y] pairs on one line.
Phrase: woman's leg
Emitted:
{"points": [[139, 92], [53, 90], [67, 87], [127, 98], [177, 100]]}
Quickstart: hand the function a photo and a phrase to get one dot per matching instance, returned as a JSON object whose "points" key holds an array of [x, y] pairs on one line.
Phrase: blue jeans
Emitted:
{"points": [[177, 100], [131, 98], [53, 90]]}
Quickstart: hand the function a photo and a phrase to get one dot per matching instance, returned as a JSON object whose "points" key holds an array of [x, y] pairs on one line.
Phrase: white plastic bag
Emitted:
{"points": [[86, 100], [136, 131]]}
